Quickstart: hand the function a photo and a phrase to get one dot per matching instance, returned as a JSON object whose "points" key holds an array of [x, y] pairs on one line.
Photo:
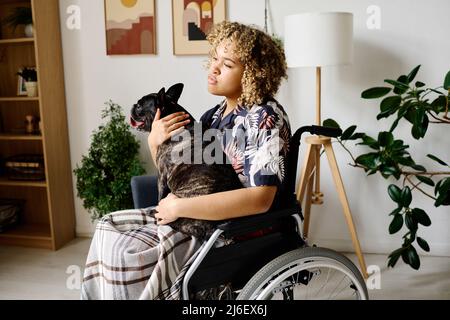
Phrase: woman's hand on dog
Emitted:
{"points": [[165, 128], [167, 209]]}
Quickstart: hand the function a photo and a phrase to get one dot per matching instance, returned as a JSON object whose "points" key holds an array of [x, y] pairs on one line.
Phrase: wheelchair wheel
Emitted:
{"points": [[307, 274]]}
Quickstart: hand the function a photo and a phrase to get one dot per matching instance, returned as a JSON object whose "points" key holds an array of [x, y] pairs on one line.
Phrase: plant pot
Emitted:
{"points": [[29, 32], [32, 89]]}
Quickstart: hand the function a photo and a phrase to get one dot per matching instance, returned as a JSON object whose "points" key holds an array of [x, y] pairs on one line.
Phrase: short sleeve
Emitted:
{"points": [[268, 135]]}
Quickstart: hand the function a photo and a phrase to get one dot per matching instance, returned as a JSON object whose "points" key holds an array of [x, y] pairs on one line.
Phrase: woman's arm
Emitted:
{"points": [[218, 206]]}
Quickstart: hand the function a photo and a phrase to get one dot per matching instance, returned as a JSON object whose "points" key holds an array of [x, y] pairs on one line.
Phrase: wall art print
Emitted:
{"points": [[130, 27], [192, 20]]}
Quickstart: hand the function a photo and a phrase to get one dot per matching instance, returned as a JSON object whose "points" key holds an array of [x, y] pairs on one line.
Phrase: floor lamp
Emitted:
{"points": [[318, 40]]}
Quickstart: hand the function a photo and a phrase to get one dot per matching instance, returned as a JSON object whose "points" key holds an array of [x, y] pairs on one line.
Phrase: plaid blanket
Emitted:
{"points": [[131, 257]]}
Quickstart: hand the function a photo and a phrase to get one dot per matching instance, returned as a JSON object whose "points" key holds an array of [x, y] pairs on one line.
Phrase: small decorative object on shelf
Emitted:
{"points": [[21, 16], [29, 75], [21, 89], [31, 124], [10, 213], [25, 167]]}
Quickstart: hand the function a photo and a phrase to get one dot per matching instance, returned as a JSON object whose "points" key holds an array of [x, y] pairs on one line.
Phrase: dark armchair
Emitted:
{"points": [[145, 191]]}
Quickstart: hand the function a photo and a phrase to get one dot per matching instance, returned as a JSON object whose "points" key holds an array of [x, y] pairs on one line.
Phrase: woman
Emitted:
{"points": [[133, 255]]}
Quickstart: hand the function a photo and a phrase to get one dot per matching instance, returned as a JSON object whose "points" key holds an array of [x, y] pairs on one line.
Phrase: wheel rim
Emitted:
{"points": [[328, 279]]}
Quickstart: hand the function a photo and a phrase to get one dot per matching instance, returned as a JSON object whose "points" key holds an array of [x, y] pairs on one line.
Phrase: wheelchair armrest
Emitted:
{"points": [[257, 222], [145, 191], [326, 131]]}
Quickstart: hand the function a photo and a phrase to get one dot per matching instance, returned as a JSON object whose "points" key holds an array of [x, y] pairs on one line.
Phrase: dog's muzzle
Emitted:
{"points": [[140, 125]]}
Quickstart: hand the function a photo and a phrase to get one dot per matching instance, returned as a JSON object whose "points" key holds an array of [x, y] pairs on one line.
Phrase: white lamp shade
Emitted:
{"points": [[318, 39]]}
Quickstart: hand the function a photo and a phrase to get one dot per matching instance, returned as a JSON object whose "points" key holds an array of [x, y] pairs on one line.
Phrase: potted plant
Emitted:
{"points": [[103, 179], [421, 106], [29, 75], [21, 16]]}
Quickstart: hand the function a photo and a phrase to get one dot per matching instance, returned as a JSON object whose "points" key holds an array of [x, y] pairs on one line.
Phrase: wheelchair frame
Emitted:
{"points": [[204, 250], [239, 226]]}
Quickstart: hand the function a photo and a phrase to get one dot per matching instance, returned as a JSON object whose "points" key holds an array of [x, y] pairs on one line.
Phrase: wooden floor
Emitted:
{"points": [[41, 274]]}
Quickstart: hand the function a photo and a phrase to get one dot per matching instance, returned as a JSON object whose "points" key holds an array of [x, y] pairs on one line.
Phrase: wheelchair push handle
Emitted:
{"points": [[319, 130], [326, 131]]}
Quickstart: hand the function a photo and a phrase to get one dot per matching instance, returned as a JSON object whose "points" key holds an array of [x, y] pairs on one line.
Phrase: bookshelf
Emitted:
{"points": [[48, 217]]}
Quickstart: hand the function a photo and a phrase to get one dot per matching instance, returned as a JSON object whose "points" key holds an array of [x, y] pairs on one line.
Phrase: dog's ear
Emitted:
{"points": [[161, 100], [174, 92]]}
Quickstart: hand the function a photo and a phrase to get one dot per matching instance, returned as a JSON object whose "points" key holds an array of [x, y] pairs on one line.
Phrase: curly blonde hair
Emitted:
{"points": [[263, 60]]}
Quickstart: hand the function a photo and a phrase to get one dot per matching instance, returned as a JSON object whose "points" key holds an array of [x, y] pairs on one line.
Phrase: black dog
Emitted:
{"points": [[183, 179]]}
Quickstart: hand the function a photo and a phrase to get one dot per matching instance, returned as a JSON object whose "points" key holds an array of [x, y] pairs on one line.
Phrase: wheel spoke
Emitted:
{"points": [[337, 286]]}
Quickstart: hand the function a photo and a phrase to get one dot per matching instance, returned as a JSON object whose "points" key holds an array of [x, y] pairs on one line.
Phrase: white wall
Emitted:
{"points": [[412, 32]]}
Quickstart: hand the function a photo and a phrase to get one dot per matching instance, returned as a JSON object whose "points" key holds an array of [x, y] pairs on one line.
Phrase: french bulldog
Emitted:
{"points": [[183, 179]]}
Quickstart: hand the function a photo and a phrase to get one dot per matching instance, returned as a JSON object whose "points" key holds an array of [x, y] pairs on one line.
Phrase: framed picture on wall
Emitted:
{"points": [[130, 27], [191, 22]]}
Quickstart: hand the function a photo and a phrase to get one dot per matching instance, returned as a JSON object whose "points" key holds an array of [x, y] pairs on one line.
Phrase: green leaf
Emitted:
{"points": [[419, 168], [423, 244], [410, 115], [394, 124], [396, 211], [402, 79], [419, 84], [411, 224], [368, 160], [426, 180], [358, 135], [406, 197], [394, 256], [390, 103], [438, 105], [421, 217], [388, 171], [395, 193], [399, 145], [374, 93], [397, 84], [348, 132], [405, 257], [447, 81], [331, 123], [389, 106], [416, 132], [396, 224], [434, 90], [413, 258], [406, 161], [442, 189], [413, 74], [437, 159], [420, 124], [370, 142], [385, 138]]}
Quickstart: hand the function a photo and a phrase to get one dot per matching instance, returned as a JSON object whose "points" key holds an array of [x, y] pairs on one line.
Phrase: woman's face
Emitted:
{"points": [[225, 72]]}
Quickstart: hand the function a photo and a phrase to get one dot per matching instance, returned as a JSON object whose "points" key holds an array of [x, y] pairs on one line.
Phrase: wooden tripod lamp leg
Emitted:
{"points": [[347, 213]]}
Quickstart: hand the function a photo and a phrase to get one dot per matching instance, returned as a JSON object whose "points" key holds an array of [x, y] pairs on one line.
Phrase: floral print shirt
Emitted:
{"points": [[255, 140]]}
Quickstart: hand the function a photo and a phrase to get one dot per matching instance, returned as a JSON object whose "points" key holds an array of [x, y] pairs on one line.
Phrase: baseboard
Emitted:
{"points": [[85, 234], [380, 247]]}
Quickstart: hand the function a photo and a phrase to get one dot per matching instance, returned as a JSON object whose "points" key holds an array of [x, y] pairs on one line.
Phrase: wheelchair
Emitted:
{"points": [[278, 265]]}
